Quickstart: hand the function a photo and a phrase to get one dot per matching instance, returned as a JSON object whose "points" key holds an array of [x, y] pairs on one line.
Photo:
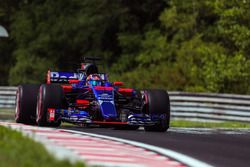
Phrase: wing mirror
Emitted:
{"points": [[118, 83]]}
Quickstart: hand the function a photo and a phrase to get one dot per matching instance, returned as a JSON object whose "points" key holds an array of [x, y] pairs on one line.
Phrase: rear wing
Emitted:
{"points": [[64, 77], [61, 77], [92, 60]]}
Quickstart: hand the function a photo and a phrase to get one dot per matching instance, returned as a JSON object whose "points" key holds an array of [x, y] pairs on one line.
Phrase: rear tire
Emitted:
{"points": [[158, 104], [49, 96], [26, 98]]}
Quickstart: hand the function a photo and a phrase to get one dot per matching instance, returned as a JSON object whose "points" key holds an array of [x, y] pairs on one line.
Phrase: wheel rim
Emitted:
{"points": [[146, 103], [39, 105], [17, 110]]}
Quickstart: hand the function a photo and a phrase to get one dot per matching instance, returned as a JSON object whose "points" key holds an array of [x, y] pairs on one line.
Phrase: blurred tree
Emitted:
{"points": [[181, 45], [58, 32], [7, 45], [61, 31], [200, 46]]}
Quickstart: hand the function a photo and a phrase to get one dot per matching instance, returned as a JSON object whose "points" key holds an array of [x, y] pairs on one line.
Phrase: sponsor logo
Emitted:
{"points": [[105, 97], [62, 77]]}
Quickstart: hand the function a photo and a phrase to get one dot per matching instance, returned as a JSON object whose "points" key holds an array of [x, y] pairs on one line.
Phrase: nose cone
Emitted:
{"points": [[108, 110]]}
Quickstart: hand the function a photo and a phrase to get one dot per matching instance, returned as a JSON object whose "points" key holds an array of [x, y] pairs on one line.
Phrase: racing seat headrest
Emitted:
{"points": [[91, 69]]}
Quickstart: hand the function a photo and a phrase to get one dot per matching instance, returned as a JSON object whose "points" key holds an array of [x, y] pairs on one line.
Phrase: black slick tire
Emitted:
{"points": [[49, 96], [26, 99], [158, 104]]}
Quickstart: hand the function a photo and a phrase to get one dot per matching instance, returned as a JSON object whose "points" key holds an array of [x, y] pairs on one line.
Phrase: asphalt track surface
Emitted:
{"points": [[222, 148]]}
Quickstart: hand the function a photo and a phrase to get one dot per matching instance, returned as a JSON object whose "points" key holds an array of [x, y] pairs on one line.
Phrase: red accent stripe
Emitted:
{"points": [[111, 123], [72, 81], [82, 102], [125, 91], [67, 88], [118, 83], [103, 88]]}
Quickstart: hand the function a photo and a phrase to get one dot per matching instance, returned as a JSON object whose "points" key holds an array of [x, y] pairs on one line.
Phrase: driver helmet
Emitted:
{"points": [[94, 80]]}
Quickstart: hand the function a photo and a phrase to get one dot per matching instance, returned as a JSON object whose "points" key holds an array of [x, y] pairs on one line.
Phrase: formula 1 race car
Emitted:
{"points": [[87, 97]]}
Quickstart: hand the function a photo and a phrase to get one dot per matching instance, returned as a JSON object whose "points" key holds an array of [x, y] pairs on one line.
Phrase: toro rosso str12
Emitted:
{"points": [[87, 97]]}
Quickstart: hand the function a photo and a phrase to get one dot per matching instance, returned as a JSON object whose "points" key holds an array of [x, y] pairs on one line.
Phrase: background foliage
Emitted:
{"points": [[192, 45]]}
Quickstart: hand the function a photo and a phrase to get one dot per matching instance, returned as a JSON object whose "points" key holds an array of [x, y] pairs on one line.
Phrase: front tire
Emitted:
{"points": [[26, 98], [49, 96], [158, 104]]}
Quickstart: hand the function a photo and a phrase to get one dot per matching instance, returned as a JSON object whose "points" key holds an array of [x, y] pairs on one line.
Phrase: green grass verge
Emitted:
{"points": [[6, 111], [17, 150], [7, 114], [192, 124]]}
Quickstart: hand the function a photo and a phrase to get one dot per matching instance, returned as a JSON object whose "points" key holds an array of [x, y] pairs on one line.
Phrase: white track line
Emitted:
{"points": [[169, 153]]}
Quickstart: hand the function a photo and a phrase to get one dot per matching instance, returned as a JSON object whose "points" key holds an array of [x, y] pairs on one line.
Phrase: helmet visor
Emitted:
{"points": [[95, 83]]}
